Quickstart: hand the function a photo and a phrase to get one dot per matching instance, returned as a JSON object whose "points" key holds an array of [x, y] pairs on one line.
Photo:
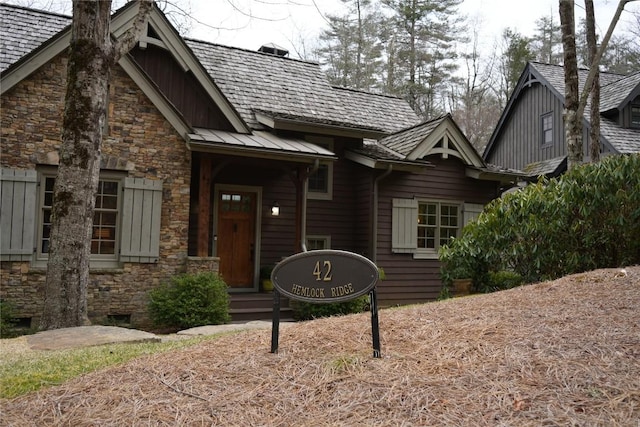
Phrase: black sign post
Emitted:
{"points": [[322, 277]]}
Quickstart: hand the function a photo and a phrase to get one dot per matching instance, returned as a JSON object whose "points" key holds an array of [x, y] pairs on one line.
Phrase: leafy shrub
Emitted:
{"points": [[501, 280], [7, 320], [303, 310], [586, 219], [189, 301]]}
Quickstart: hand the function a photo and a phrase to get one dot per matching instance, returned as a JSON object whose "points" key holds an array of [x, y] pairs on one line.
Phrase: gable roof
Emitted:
{"points": [[615, 91], [407, 149], [25, 31], [438, 136], [267, 88], [255, 90], [619, 93]]}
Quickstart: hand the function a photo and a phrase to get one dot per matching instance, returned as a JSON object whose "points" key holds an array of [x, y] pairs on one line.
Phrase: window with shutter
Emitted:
{"points": [[471, 211], [404, 227], [141, 207], [421, 227], [17, 214]]}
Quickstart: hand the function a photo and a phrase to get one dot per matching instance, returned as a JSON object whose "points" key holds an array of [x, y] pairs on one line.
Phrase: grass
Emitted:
{"points": [[21, 373]]}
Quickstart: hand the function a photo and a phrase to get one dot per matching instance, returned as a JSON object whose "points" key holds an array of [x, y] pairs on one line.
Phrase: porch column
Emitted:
{"points": [[204, 206]]}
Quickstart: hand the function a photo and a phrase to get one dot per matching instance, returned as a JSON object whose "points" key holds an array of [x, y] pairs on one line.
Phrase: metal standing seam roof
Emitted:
{"points": [[258, 141]]}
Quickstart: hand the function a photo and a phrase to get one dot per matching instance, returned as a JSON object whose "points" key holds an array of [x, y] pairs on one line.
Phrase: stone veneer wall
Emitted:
{"points": [[141, 142]]}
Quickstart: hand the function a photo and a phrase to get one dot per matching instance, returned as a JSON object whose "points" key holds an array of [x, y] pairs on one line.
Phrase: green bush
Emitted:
{"points": [[501, 280], [586, 219], [189, 301], [7, 320], [303, 310]]}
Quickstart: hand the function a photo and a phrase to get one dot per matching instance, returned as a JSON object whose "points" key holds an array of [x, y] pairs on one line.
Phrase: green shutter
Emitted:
{"points": [[404, 226], [141, 206], [471, 212], [17, 214]]}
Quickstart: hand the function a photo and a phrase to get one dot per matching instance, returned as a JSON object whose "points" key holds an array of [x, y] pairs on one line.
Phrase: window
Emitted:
{"points": [[320, 183], [318, 242], [105, 219], [547, 129], [421, 227], [437, 223], [635, 116], [126, 223]]}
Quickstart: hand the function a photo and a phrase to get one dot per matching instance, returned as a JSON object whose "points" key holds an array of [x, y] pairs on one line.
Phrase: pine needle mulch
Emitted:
{"points": [[558, 353]]}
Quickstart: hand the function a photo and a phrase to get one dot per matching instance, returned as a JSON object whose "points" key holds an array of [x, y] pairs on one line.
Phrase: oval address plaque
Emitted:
{"points": [[325, 276]]}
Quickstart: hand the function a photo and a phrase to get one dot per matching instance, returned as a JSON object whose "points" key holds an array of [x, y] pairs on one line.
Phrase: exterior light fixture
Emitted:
{"points": [[275, 209]]}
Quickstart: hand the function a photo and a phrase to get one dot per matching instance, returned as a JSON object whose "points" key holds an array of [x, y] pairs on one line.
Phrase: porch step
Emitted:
{"points": [[248, 314], [257, 306]]}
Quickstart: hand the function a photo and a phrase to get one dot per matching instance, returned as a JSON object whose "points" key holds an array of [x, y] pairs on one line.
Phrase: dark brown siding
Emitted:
{"points": [[519, 142], [181, 88], [336, 217], [410, 280]]}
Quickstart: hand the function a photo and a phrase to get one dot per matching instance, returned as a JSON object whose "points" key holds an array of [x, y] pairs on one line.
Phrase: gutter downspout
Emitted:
{"points": [[303, 219], [374, 231]]}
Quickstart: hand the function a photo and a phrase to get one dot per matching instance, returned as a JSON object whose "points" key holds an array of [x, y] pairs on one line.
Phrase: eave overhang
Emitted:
{"points": [[504, 177], [398, 165], [260, 144], [301, 125]]}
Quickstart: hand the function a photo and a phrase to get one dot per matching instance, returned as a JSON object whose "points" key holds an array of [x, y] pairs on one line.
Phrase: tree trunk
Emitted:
{"points": [[572, 121], [91, 56], [594, 131]]}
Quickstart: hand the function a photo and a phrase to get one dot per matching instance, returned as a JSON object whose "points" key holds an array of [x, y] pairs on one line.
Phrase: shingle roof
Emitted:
{"points": [[549, 167], [406, 140], [285, 87], [23, 30], [251, 80], [615, 88], [613, 94], [554, 74]]}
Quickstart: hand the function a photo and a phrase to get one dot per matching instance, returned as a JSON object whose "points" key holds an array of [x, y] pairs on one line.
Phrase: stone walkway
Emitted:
{"points": [[84, 336]]}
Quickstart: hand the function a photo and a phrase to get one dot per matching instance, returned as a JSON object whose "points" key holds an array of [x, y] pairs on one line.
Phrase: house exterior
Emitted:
{"points": [[530, 133], [223, 159]]}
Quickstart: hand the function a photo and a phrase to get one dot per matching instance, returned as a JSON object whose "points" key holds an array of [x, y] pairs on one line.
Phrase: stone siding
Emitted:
{"points": [[141, 143]]}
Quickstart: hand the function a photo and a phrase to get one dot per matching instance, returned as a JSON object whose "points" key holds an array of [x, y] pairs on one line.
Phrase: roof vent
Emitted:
{"points": [[273, 49]]}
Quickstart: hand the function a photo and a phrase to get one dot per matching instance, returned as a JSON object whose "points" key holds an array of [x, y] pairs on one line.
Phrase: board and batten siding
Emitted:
{"points": [[410, 280], [519, 141]]}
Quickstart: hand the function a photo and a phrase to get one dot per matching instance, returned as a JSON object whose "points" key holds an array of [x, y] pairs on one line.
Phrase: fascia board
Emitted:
{"points": [[38, 58]]}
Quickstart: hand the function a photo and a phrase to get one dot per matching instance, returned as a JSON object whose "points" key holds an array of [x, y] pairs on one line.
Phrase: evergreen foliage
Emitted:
{"points": [[189, 301], [588, 218]]}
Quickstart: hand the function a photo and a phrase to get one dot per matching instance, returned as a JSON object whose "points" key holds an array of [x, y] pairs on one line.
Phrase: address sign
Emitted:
{"points": [[325, 276]]}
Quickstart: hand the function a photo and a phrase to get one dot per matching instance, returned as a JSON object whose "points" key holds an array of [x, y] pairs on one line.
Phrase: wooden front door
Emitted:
{"points": [[236, 237]]}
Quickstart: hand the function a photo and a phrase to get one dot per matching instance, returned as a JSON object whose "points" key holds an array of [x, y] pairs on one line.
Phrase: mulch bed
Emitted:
{"points": [[559, 353]]}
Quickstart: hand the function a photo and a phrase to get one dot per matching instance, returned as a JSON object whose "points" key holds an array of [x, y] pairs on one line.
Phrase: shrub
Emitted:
{"points": [[303, 310], [588, 218], [7, 320], [189, 301]]}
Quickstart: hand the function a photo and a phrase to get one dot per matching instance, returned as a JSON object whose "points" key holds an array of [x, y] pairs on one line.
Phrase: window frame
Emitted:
{"points": [[328, 143], [97, 261], [544, 130], [632, 124], [326, 239], [432, 253]]}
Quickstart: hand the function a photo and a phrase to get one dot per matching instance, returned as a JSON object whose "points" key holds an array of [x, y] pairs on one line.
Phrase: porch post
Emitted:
{"points": [[204, 206]]}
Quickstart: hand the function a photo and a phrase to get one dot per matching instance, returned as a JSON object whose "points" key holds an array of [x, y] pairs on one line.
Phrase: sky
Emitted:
{"points": [[251, 23], [296, 24]]}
